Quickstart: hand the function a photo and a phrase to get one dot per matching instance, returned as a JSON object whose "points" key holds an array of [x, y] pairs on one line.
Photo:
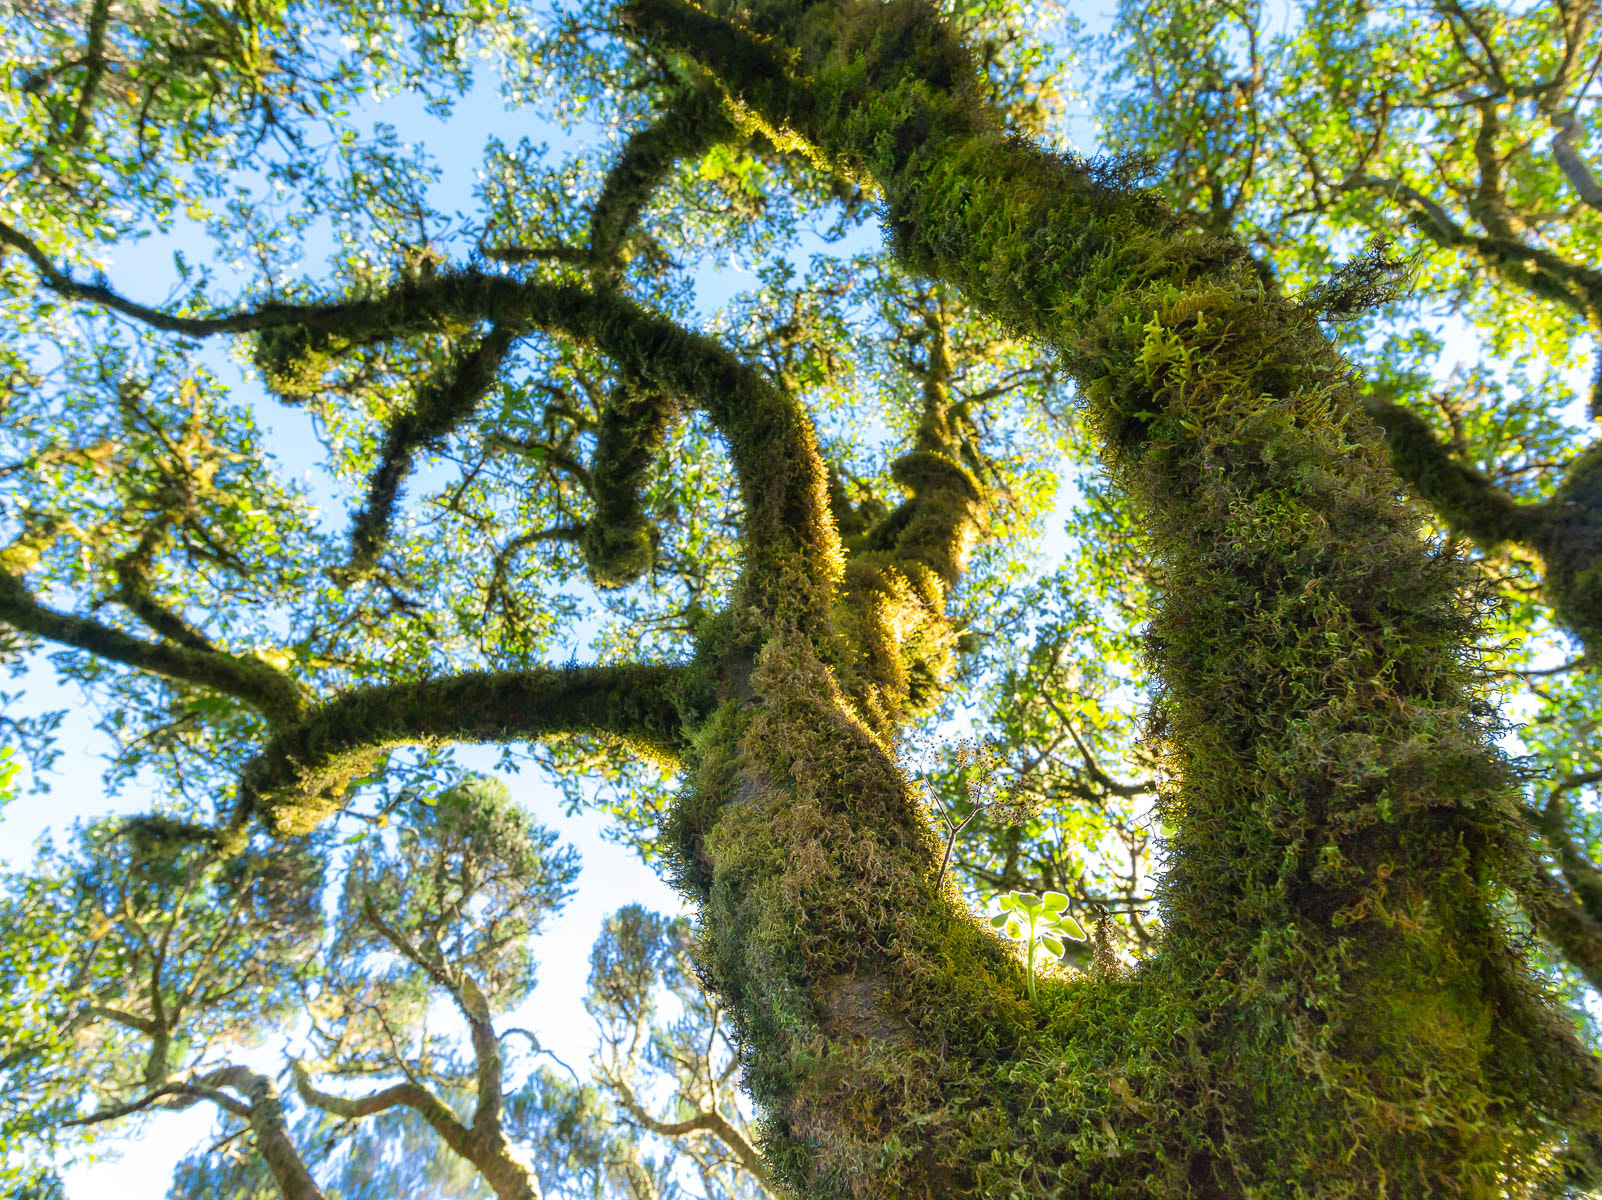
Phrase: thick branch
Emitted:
{"points": [[793, 553], [1562, 920], [265, 689], [266, 1117], [409, 1095], [302, 774], [900, 575], [689, 126], [1571, 547], [483, 1146], [1466, 500], [1574, 167]]}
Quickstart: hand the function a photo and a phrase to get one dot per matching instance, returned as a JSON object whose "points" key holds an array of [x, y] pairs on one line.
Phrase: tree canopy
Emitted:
{"points": [[1282, 781]]}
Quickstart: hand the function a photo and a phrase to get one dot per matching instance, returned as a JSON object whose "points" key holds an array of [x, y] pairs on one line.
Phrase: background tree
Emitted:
{"points": [[528, 405], [392, 1096]]}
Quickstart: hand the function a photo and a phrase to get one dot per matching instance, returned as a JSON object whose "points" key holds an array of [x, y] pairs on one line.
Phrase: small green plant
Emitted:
{"points": [[1037, 920]]}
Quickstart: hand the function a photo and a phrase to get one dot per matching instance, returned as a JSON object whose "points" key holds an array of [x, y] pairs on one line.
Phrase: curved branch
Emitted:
{"points": [[1571, 545], [407, 1095], [1566, 530], [443, 403], [792, 548], [63, 284], [707, 1121], [900, 575], [485, 1147], [619, 542], [268, 691], [689, 126], [302, 774], [1537, 270]]}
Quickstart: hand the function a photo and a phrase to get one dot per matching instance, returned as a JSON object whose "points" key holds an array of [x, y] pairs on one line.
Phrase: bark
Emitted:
{"points": [[273, 1143], [1335, 1006]]}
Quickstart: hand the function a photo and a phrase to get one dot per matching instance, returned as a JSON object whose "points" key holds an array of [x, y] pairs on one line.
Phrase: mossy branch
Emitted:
{"points": [[303, 773], [483, 1144], [790, 537], [269, 691], [1570, 542], [690, 125], [901, 571], [1464, 497], [792, 548], [134, 591], [442, 404], [1565, 530], [1561, 919], [619, 543]]}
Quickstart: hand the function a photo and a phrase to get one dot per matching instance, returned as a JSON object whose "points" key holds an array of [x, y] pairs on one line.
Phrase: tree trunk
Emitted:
{"points": [[1335, 1007]]}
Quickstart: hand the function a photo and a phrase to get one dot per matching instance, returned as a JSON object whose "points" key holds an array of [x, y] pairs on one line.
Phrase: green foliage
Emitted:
{"points": [[1041, 920]]}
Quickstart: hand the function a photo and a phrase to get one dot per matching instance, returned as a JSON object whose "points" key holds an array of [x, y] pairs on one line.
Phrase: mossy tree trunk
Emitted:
{"points": [[1336, 1008]]}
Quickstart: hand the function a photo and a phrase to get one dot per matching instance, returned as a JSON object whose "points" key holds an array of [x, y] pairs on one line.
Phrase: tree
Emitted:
{"points": [[1451, 130], [152, 998], [1336, 1001]]}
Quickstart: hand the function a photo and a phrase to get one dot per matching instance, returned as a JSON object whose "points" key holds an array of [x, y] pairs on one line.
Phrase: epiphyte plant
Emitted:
{"points": [[1037, 920]]}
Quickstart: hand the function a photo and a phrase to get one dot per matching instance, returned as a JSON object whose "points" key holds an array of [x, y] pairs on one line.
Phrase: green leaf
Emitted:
{"points": [[1069, 927], [998, 920], [1054, 902], [1014, 929], [1052, 944]]}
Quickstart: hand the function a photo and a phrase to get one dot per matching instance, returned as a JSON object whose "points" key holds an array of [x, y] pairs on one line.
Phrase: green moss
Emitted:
{"points": [[305, 772], [1336, 1008]]}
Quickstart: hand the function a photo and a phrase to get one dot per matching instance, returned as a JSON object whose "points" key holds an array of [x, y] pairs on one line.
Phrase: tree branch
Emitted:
{"points": [[443, 403], [303, 772], [1468, 501], [269, 691], [690, 125], [707, 1121], [1574, 167], [901, 573], [94, 66], [619, 543], [266, 1117], [1564, 922], [792, 548], [408, 1095]]}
